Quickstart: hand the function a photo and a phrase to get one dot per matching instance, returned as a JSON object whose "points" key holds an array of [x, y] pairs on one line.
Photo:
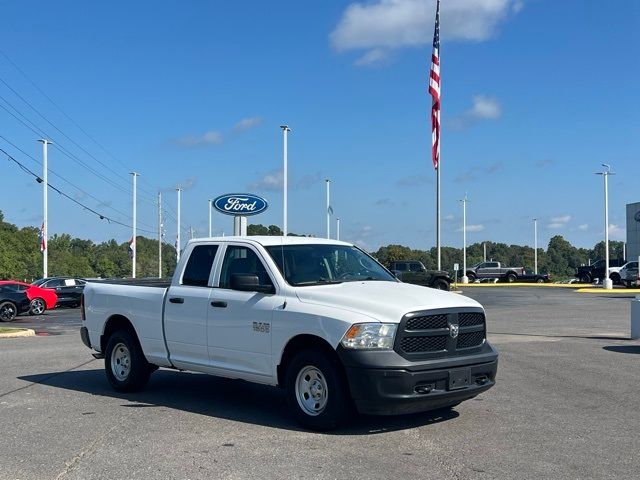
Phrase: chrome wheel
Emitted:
{"points": [[311, 390], [7, 312], [37, 306], [121, 362]]}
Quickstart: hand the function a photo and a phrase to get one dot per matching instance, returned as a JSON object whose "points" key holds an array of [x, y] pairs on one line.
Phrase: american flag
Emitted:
{"points": [[43, 243], [434, 90], [131, 248]]}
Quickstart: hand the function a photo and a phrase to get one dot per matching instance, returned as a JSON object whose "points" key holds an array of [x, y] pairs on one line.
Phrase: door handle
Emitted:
{"points": [[176, 300], [219, 304]]}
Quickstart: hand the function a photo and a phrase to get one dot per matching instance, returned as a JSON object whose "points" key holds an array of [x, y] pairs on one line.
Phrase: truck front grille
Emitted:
{"points": [[433, 335]]}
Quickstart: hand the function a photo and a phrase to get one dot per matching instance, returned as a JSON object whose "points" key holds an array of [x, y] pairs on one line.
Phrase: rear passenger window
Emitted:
{"points": [[198, 268]]}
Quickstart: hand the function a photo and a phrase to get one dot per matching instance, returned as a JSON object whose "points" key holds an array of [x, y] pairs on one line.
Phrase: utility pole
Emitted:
{"points": [[329, 209], [45, 208], [159, 234], [535, 246], [464, 201], [606, 282], [179, 190], [135, 219], [285, 179], [338, 229], [210, 208]]}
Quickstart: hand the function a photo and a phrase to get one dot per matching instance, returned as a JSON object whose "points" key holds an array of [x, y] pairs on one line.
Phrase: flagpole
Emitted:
{"points": [[438, 214], [45, 202], [328, 206]]}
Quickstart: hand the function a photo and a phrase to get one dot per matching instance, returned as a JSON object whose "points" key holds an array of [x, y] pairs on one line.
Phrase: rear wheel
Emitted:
{"points": [[440, 284], [37, 306], [316, 390], [127, 369], [540, 280], [585, 278], [8, 312], [511, 277]]}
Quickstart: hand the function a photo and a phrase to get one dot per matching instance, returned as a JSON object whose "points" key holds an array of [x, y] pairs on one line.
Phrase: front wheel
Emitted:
{"points": [[471, 277], [37, 306], [540, 280], [316, 390], [127, 369], [8, 312], [441, 284], [585, 278]]}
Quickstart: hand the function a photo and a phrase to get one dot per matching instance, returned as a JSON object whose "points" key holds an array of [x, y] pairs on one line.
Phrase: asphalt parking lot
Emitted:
{"points": [[566, 405]]}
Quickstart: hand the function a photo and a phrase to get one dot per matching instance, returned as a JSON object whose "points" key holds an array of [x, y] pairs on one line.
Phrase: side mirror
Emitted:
{"points": [[249, 283]]}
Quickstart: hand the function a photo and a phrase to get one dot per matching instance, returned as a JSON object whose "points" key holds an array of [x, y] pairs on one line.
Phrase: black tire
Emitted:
{"points": [[338, 404], [471, 277], [585, 278], [540, 280], [615, 278], [440, 284], [124, 350], [37, 306], [8, 311], [511, 277]]}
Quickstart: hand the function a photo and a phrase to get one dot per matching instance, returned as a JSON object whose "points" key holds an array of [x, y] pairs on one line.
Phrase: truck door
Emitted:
{"points": [[239, 322], [186, 309]]}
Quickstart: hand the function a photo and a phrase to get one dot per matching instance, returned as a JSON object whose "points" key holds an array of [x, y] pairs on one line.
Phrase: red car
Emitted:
{"points": [[41, 298]]}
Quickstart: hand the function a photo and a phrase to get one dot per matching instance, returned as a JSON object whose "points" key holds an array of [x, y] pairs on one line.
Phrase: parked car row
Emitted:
{"points": [[35, 298]]}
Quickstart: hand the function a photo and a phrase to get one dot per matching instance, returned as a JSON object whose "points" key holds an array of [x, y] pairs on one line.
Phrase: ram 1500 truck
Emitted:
{"points": [[319, 318], [415, 272]]}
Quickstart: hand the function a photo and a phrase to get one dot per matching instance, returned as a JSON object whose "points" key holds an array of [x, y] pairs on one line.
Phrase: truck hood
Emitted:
{"points": [[383, 301]]}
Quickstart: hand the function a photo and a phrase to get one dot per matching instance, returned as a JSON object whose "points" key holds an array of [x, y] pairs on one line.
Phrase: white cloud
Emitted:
{"points": [[472, 228], [389, 24], [377, 56], [483, 107], [449, 218], [187, 183], [583, 227], [274, 181], [616, 232], [247, 123], [212, 137], [559, 221]]}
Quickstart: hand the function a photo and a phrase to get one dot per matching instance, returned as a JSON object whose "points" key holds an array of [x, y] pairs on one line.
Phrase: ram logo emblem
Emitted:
{"points": [[453, 330]]}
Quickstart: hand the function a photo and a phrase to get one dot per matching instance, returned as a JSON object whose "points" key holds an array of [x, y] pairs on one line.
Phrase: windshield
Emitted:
{"points": [[325, 264]]}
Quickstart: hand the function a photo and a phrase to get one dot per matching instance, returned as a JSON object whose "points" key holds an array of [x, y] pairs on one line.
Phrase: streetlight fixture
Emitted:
{"points": [[606, 282]]}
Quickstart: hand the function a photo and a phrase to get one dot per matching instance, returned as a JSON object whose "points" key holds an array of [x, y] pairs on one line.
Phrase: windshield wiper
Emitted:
{"points": [[321, 281]]}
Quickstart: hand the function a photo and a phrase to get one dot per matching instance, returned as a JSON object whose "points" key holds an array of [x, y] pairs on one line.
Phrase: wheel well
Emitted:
{"points": [[115, 323], [298, 343]]}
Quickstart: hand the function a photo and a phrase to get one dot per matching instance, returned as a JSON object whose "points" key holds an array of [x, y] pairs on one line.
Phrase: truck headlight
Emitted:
{"points": [[370, 335]]}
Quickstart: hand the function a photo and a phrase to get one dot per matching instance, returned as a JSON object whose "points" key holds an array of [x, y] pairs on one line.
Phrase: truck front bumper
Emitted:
{"points": [[394, 390]]}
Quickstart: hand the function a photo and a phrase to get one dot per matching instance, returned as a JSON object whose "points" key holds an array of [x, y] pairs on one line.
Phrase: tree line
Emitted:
{"points": [[20, 256]]}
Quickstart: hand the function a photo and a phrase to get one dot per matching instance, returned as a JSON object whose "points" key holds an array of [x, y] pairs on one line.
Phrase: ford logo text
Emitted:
{"points": [[240, 204]]}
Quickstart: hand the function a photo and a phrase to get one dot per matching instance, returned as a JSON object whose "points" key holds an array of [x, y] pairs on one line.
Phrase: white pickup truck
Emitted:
{"points": [[319, 318]]}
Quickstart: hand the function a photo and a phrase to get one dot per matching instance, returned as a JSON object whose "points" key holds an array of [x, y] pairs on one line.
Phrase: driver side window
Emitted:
{"points": [[242, 261]]}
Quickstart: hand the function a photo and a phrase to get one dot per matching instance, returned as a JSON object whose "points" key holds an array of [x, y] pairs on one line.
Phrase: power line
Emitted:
{"points": [[39, 180]]}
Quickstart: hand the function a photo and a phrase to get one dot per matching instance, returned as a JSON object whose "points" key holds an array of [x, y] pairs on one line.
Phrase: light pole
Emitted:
{"points": [[606, 282], [159, 234], [484, 250], [179, 190], [535, 246], [210, 208], [329, 209], [285, 225], [44, 243], [338, 229], [135, 219], [464, 278]]}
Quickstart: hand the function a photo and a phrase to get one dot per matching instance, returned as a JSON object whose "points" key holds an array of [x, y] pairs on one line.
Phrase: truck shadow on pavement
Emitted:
{"points": [[227, 399], [634, 349]]}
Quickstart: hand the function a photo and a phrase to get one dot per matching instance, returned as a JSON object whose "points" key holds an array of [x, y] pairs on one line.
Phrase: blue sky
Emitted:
{"points": [[536, 95]]}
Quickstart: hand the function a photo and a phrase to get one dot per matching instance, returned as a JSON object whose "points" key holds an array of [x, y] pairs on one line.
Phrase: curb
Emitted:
{"points": [[22, 332], [620, 291], [522, 284]]}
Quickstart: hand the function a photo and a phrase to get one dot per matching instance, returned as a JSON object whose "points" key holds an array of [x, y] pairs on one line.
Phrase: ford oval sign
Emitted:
{"points": [[637, 217], [240, 204]]}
